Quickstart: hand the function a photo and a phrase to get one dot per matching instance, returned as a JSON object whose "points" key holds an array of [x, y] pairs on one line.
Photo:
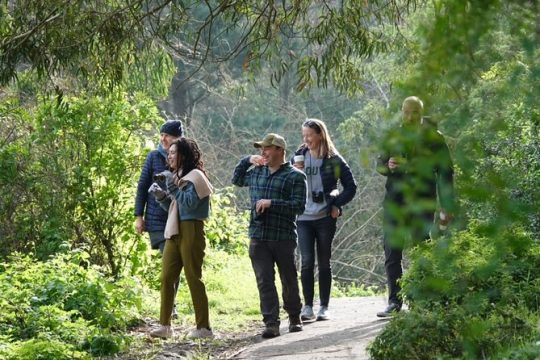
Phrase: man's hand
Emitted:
{"points": [[262, 205], [257, 160], [393, 163], [139, 224]]}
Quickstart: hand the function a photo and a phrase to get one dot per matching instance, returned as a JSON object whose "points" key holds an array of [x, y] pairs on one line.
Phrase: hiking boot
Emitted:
{"points": [[202, 333], [323, 313], [295, 324], [307, 313], [163, 332], [390, 310], [270, 331]]}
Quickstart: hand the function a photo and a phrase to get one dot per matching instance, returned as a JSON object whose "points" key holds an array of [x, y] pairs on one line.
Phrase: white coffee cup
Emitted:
{"points": [[443, 223], [299, 160]]}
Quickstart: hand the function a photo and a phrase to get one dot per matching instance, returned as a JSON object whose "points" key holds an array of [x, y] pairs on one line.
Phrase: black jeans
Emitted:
{"points": [[263, 255], [316, 234], [402, 231]]}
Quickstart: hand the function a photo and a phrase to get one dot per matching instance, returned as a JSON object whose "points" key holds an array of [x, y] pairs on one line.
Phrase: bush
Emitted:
{"points": [[469, 295], [525, 352], [45, 349], [227, 229], [68, 309]]}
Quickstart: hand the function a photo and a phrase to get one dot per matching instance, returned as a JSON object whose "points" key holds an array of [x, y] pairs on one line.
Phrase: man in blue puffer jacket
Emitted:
{"points": [[149, 215]]}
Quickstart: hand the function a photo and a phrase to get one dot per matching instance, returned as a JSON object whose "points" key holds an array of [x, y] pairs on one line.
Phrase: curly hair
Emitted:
{"points": [[188, 156]]}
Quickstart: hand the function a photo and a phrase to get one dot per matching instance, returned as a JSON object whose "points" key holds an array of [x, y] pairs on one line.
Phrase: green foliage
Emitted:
{"points": [[59, 309], [463, 268], [232, 289], [476, 66], [476, 293], [352, 290], [46, 37], [45, 349], [75, 169], [226, 229], [451, 332], [528, 351]]}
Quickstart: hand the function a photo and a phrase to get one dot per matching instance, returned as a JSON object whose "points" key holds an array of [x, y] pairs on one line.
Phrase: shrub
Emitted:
{"points": [[227, 229], [469, 295], [45, 349], [73, 309]]}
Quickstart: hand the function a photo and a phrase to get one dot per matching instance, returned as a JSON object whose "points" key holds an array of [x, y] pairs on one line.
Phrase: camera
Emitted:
{"points": [[162, 176], [159, 177], [317, 196]]}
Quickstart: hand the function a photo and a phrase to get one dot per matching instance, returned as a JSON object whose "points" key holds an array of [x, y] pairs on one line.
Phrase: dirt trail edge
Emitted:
{"points": [[353, 326]]}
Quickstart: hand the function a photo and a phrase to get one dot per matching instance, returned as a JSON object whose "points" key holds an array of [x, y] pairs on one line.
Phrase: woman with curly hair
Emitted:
{"points": [[188, 202]]}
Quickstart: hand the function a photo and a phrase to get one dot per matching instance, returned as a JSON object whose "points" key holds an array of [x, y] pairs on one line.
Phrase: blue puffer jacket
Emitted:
{"points": [[335, 169], [154, 216]]}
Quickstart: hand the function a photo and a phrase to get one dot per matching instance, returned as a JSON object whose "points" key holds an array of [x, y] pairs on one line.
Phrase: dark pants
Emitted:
{"points": [[401, 230], [317, 234], [263, 255]]}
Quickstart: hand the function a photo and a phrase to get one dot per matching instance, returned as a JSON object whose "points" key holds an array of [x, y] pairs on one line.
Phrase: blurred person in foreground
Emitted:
{"points": [[416, 162]]}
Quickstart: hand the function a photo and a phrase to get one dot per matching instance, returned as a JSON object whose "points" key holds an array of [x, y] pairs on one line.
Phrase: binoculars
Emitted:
{"points": [[159, 177], [317, 196]]}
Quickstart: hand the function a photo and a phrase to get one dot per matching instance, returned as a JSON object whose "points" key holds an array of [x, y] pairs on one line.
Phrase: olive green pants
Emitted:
{"points": [[185, 250]]}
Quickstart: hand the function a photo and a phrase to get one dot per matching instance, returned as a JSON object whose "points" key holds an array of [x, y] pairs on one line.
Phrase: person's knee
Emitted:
{"points": [[307, 262], [392, 263], [168, 278], [325, 267]]}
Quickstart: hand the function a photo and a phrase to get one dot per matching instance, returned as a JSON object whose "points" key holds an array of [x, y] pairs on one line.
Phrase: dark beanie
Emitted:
{"points": [[172, 127]]}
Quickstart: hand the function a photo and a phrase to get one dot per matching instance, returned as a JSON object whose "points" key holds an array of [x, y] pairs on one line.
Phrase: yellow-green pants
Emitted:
{"points": [[185, 250]]}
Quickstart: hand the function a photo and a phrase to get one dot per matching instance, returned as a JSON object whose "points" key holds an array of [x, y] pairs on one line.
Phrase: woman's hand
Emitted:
{"points": [[334, 213]]}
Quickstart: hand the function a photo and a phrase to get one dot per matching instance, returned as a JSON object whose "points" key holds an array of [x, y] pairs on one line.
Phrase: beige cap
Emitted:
{"points": [[271, 139]]}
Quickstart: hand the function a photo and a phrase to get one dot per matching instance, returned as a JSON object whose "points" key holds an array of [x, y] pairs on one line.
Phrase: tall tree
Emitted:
{"points": [[101, 39]]}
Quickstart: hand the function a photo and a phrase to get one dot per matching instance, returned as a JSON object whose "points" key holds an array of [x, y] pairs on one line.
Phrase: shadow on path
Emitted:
{"points": [[352, 327]]}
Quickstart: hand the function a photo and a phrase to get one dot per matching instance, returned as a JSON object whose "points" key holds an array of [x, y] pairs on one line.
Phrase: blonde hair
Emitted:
{"points": [[327, 148]]}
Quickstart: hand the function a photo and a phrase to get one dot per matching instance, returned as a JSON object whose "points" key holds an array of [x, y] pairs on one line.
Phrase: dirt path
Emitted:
{"points": [[352, 327]]}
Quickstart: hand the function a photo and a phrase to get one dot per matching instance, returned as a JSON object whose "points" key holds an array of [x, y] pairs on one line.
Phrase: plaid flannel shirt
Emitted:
{"points": [[286, 188]]}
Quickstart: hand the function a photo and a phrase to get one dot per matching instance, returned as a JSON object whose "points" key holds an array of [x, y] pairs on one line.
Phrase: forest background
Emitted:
{"points": [[85, 86]]}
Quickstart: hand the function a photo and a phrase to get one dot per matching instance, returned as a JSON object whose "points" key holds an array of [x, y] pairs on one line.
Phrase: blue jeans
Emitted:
{"points": [[317, 234], [157, 240]]}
